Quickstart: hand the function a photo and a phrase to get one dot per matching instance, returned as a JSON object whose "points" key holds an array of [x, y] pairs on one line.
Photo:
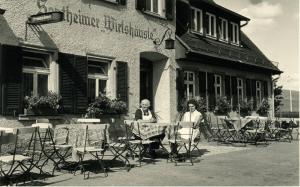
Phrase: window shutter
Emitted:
{"points": [[180, 88], [80, 84], [229, 31], [66, 69], [248, 89], [12, 79], [121, 2], [202, 84], [265, 87], [227, 87], [140, 4], [205, 23], [211, 91], [122, 81], [234, 92], [169, 9], [253, 93]]}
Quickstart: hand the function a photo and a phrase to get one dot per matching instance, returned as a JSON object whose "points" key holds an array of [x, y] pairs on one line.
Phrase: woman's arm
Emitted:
{"points": [[153, 120]]}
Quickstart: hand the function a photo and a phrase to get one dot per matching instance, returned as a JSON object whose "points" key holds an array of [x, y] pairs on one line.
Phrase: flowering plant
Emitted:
{"points": [[246, 108], [263, 108], [222, 106], [105, 105], [48, 104]]}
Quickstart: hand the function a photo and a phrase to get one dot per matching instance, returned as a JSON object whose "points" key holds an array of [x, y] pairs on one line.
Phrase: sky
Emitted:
{"points": [[274, 28]]}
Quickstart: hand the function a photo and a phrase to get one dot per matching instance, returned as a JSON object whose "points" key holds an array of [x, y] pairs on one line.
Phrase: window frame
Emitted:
{"points": [[258, 92], [98, 76], [216, 85], [161, 9], [195, 21], [188, 83], [221, 31], [36, 71], [209, 32], [240, 87], [235, 35]]}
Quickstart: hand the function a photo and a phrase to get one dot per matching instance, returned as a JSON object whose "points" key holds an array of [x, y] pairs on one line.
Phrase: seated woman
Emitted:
{"points": [[192, 115], [144, 114]]}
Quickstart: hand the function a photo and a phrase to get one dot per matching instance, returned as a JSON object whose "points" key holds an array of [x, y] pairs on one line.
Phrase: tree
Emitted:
{"points": [[277, 94]]}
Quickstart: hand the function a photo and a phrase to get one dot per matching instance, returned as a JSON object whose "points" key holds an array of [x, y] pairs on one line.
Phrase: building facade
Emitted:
{"points": [[216, 59], [102, 46], [116, 47]]}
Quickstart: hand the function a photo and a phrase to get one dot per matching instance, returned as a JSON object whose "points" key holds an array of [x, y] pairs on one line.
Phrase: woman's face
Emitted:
{"points": [[192, 107], [145, 105]]}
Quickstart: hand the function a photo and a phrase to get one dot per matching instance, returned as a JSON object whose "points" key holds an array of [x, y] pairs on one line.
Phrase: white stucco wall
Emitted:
{"points": [[97, 39]]}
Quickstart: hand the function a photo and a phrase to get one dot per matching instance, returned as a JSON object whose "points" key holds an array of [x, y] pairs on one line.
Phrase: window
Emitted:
{"points": [[258, 92], [235, 35], [97, 78], [223, 30], [240, 86], [189, 84], [218, 86], [211, 29], [35, 74], [197, 21], [156, 7]]}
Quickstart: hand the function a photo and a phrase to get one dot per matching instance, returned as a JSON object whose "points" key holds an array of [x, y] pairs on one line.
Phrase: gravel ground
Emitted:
{"points": [[273, 165]]}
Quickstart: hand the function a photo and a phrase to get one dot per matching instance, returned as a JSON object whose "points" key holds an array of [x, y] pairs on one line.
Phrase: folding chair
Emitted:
{"points": [[137, 146], [183, 138], [231, 134], [94, 139], [119, 148], [62, 147], [257, 133], [216, 131], [21, 158]]}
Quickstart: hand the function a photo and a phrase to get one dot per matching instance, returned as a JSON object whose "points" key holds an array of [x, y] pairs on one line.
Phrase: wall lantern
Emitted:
{"points": [[45, 18], [2, 11], [169, 43]]}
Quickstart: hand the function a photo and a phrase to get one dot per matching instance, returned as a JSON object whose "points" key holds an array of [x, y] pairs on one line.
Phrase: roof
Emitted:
{"points": [[247, 55], [211, 3]]}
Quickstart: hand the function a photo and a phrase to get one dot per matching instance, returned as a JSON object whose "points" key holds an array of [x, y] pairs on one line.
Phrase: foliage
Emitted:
{"points": [[246, 108], [105, 105], [222, 106], [277, 94], [50, 103], [263, 108], [201, 104]]}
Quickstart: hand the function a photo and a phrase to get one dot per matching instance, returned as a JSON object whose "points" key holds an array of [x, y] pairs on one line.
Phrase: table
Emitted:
{"points": [[7, 129], [148, 130]]}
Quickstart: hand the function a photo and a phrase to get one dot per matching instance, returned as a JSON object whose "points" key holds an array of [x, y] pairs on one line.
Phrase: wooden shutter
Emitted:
{"points": [[248, 89], [229, 31], [122, 81], [265, 89], [205, 23], [12, 79], [211, 91], [202, 84], [234, 92], [180, 88], [169, 9], [140, 4], [227, 87], [253, 93], [122, 2], [80, 84], [66, 69]]}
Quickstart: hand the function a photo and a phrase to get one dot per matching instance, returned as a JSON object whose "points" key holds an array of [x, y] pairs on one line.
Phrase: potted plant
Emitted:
{"points": [[43, 105], [245, 108], [263, 108], [222, 106]]}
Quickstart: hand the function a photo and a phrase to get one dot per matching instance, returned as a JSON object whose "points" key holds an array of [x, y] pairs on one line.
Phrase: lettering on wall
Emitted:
{"points": [[109, 22]]}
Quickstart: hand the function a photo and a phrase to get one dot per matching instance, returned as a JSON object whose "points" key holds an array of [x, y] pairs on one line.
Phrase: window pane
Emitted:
{"points": [[27, 84], [212, 26], [185, 76], [97, 67], [42, 85], [193, 19], [191, 93], [198, 21], [91, 92], [34, 62], [186, 90], [102, 86], [191, 77], [155, 6], [148, 5]]}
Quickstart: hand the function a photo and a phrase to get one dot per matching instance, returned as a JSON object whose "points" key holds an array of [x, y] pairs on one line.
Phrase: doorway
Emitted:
{"points": [[146, 80]]}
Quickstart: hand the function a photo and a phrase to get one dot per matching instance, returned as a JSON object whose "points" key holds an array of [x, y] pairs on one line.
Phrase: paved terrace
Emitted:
{"points": [[273, 165]]}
